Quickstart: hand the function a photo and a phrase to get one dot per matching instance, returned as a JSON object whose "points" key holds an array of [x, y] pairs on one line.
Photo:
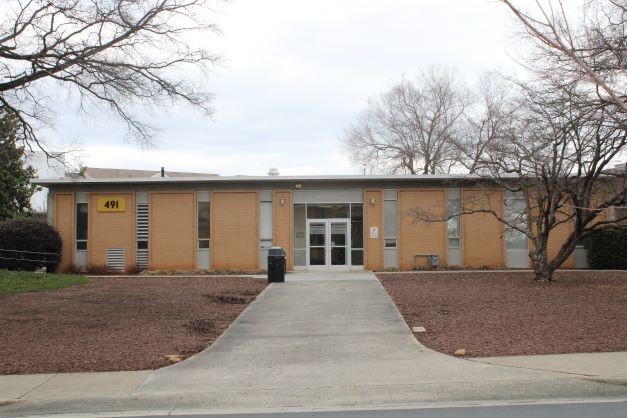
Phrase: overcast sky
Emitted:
{"points": [[295, 75]]}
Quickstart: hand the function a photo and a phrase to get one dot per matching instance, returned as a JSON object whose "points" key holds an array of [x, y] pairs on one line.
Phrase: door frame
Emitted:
{"points": [[328, 246]]}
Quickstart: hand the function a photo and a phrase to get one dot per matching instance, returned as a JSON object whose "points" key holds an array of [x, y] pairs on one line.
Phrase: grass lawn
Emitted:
{"points": [[25, 281]]}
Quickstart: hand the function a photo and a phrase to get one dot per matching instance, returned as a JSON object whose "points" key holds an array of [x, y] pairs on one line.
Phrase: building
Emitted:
{"points": [[45, 168], [323, 222], [115, 173]]}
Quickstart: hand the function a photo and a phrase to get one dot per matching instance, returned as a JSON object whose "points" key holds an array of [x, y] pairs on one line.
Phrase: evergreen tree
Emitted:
{"points": [[15, 187]]}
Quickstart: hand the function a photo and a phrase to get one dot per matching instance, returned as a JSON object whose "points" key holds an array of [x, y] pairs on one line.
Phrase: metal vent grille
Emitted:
{"points": [[142, 236], [142, 259], [142, 222], [115, 259]]}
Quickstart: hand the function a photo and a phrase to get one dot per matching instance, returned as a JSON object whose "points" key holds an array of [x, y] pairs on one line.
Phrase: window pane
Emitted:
{"points": [[317, 234], [357, 234], [203, 243], [357, 257], [142, 245], [515, 215], [338, 233], [204, 231], [266, 220], [81, 221], [390, 243], [515, 240], [357, 212], [453, 242], [338, 256], [454, 207], [389, 218], [453, 227], [327, 211], [316, 256], [81, 245]]}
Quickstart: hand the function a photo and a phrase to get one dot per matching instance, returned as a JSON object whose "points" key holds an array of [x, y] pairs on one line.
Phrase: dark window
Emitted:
{"points": [[357, 234], [81, 221], [327, 211], [142, 245], [357, 212], [204, 226], [357, 257], [390, 243]]}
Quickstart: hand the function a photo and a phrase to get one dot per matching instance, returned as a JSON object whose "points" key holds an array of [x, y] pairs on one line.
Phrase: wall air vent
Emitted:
{"points": [[115, 259]]}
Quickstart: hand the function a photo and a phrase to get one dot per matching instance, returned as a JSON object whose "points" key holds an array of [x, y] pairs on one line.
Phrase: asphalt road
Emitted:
{"points": [[572, 410]]}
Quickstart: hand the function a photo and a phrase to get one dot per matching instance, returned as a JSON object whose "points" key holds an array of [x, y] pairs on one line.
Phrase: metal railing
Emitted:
{"points": [[30, 256]]}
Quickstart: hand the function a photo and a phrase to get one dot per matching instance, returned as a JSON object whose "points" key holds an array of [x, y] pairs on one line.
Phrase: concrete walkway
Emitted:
{"points": [[319, 341], [606, 366]]}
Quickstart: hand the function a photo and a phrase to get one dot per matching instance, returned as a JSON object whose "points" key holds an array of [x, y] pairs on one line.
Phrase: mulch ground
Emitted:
{"points": [[118, 323], [507, 313]]}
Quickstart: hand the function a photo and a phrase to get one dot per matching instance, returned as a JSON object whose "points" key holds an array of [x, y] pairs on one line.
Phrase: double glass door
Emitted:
{"points": [[328, 243]]}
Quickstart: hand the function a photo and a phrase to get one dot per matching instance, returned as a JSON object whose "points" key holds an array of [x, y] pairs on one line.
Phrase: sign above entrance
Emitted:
{"points": [[111, 204], [328, 196]]}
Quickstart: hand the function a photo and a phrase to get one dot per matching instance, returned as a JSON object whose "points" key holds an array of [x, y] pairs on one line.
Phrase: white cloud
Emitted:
{"points": [[295, 75]]}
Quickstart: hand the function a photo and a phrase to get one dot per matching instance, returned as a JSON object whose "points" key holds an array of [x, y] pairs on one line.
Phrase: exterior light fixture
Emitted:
{"points": [[372, 200], [282, 200]]}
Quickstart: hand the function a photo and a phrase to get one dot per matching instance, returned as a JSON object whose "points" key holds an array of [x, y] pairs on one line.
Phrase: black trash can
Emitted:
{"points": [[276, 264]]}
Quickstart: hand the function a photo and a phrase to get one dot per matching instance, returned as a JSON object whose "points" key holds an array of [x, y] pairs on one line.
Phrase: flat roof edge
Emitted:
{"points": [[255, 179]]}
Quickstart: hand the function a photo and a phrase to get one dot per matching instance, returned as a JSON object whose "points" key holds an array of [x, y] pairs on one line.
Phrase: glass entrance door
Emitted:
{"points": [[317, 253], [328, 243]]}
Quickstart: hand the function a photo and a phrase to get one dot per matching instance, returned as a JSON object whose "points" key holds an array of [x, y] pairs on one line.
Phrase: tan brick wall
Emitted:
{"points": [[557, 238], [373, 217], [417, 237], [64, 223], [111, 230], [235, 230], [282, 222], [172, 230], [482, 233]]}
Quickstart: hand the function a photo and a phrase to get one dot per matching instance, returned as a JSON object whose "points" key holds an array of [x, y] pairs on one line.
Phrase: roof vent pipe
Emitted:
{"points": [[162, 172]]}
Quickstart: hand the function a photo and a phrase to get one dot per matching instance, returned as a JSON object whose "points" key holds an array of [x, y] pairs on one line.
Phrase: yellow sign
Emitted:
{"points": [[112, 204]]}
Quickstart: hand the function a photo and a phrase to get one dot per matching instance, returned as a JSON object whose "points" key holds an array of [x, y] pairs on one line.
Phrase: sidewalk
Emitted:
{"points": [[605, 366], [315, 342]]}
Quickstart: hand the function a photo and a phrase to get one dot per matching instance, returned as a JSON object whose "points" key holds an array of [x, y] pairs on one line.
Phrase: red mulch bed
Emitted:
{"points": [[507, 313], [118, 323]]}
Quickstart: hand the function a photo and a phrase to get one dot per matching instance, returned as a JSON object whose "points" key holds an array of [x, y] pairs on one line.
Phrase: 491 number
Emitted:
{"points": [[111, 204]]}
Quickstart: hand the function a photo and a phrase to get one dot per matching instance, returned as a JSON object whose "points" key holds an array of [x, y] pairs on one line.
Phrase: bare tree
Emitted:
{"points": [[591, 51], [555, 165], [561, 158], [112, 53], [554, 158], [410, 127], [487, 121]]}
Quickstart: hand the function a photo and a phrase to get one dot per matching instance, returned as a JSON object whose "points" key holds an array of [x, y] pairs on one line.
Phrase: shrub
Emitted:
{"points": [[28, 234], [607, 249]]}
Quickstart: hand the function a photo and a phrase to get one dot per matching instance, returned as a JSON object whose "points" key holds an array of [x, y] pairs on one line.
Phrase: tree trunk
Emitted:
{"points": [[542, 269], [543, 273]]}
